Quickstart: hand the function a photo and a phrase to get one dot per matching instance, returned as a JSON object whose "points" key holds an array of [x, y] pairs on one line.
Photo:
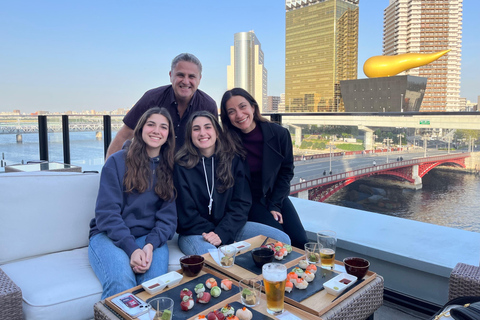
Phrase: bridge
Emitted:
{"points": [[409, 170], [57, 127]]}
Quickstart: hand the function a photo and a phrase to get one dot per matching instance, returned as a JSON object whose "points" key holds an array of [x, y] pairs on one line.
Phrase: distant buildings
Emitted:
{"points": [[272, 104], [426, 26], [246, 69], [321, 48]]}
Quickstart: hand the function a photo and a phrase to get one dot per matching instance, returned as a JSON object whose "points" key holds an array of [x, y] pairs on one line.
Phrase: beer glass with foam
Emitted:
{"points": [[327, 241], [274, 278]]}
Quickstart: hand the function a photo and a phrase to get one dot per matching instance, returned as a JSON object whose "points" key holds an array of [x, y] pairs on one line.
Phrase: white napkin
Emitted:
{"points": [[340, 268], [214, 254], [287, 316]]}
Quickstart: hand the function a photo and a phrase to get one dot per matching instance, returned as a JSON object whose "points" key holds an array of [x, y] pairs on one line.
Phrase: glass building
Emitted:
{"points": [[246, 69], [321, 48]]}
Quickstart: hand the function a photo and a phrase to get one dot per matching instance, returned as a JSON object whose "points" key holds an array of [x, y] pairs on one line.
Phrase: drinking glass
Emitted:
{"points": [[226, 255], [274, 279], [162, 308], [328, 240], [250, 290], [312, 252]]}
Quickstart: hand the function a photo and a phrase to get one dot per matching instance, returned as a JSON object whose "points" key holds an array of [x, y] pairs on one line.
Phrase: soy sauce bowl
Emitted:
{"points": [[357, 267], [192, 265], [262, 255]]}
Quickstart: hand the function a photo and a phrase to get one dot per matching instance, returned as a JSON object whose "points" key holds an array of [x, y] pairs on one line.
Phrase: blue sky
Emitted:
{"points": [[104, 54]]}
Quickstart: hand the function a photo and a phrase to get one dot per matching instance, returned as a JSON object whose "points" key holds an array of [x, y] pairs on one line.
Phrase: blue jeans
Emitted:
{"points": [[112, 265], [195, 244]]}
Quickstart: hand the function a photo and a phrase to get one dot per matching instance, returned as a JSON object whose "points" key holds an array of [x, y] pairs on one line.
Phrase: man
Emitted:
{"points": [[181, 99]]}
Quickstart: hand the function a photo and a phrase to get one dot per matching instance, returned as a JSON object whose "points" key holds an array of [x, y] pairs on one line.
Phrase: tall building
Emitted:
{"points": [[427, 26], [246, 69], [272, 104], [321, 48]]}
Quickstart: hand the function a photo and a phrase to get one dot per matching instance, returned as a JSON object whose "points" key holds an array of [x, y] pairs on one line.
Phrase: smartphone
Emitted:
{"points": [[131, 305]]}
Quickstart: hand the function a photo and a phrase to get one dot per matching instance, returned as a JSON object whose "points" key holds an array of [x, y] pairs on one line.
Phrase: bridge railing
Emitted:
{"points": [[318, 180]]}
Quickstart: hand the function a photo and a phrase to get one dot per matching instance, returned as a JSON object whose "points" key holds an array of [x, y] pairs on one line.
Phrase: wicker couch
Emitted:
{"points": [[464, 281], [44, 267]]}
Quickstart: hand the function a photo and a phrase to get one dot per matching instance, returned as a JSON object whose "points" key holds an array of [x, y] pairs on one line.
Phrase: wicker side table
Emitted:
{"points": [[464, 281], [10, 299]]}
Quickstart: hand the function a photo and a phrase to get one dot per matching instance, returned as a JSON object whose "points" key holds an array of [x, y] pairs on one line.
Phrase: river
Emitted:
{"points": [[447, 198]]}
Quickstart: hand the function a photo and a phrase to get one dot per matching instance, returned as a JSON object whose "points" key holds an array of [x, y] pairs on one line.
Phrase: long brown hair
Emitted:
{"points": [[188, 156], [232, 132], [138, 175]]}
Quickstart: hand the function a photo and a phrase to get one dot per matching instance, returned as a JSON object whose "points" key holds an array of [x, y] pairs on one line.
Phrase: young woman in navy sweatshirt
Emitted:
{"points": [[135, 213], [213, 193]]}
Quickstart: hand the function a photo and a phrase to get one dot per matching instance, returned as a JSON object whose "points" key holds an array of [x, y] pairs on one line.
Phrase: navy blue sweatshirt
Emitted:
{"points": [[230, 208], [126, 216]]}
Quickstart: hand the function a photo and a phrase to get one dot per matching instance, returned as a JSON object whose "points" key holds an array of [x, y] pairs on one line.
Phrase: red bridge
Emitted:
{"points": [[409, 170]]}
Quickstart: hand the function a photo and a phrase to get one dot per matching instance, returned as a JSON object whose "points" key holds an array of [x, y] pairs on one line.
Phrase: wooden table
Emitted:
{"points": [[317, 304]]}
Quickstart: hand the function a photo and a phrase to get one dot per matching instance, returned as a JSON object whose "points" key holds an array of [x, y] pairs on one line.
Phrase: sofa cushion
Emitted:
{"points": [[55, 284], [45, 212]]}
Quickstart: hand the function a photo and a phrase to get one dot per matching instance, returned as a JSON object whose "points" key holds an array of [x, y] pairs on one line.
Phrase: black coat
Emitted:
{"points": [[230, 208], [277, 166]]}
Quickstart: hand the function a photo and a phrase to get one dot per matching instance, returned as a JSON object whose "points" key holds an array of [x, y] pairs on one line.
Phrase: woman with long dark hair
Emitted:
{"points": [[214, 195], [135, 213], [268, 149]]}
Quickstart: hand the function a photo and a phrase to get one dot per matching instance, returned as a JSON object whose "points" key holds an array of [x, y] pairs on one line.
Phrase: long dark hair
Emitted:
{"points": [[188, 156], [232, 132], [138, 175]]}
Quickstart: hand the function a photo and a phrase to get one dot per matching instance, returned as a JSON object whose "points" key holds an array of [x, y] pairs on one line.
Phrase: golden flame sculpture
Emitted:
{"points": [[387, 66]]}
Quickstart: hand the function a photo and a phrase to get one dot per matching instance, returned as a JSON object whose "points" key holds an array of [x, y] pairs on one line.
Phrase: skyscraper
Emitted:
{"points": [[246, 69], [426, 26], [321, 48]]}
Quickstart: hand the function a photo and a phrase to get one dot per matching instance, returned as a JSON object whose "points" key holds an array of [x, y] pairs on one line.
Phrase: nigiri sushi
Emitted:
{"points": [[301, 283], [309, 276], [303, 264], [288, 286], [226, 284], [244, 314], [210, 283], [312, 268], [215, 291], [292, 276]]}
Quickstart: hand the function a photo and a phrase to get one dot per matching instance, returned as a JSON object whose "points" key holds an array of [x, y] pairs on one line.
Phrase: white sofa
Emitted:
{"points": [[44, 225]]}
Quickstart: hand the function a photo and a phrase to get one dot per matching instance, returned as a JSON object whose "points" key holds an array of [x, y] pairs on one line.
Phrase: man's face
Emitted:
{"points": [[185, 78]]}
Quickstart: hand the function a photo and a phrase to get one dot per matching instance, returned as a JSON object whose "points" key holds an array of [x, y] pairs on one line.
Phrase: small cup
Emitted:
{"points": [[312, 252], [162, 308], [250, 291], [226, 255], [357, 267], [192, 265]]}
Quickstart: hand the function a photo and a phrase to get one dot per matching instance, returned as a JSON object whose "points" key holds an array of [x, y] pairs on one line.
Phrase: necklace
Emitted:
{"points": [[210, 191]]}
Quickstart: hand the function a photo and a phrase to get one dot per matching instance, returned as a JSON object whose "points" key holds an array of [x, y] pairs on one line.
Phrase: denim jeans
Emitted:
{"points": [[112, 265], [195, 244]]}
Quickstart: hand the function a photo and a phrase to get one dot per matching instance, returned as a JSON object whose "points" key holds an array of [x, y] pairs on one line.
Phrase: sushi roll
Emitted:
{"points": [[187, 303], [301, 284], [298, 271], [244, 314], [284, 252], [215, 292], [288, 247], [278, 255], [292, 276], [185, 292], [279, 244], [308, 276], [210, 283], [226, 284], [288, 286], [312, 268], [203, 297], [215, 315], [228, 310], [199, 288], [303, 264]]}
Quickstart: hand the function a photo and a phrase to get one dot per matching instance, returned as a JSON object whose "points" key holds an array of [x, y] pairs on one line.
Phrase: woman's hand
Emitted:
{"points": [[212, 238], [277, 216], [141, 259]]}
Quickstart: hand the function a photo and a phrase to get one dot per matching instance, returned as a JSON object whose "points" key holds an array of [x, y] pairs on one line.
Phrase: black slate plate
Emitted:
{"points": [[174, 294], [321, 276], [237, 305], [245, 261]]}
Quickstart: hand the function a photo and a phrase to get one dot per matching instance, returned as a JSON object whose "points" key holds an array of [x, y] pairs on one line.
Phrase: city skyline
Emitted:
{"points": [[60, 56]]}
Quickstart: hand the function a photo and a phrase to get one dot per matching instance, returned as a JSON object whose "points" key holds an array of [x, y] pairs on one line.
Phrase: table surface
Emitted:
{"points": [[317, 304]]}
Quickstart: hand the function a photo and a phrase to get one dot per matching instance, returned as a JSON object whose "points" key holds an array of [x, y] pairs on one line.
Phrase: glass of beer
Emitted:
{"points": [[274, 279], [327, 241]]}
